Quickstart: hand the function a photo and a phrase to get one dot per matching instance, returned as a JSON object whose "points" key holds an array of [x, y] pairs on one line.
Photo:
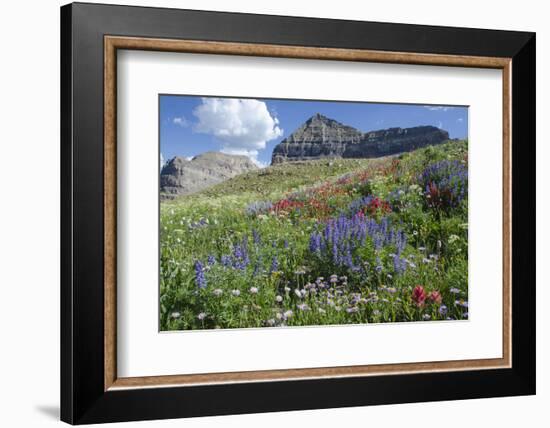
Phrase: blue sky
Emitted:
{"points": [[190, 125]]}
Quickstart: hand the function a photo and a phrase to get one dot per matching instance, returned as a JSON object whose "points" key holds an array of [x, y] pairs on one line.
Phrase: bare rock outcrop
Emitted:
{"points": [[181, 176], [322, 137]]}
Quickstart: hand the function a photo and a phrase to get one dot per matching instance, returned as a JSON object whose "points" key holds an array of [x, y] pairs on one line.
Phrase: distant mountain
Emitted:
{"points": [[180, 176], [322, 137]]}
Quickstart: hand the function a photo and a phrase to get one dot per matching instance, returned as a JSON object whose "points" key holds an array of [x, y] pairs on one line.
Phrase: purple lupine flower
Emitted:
{"points": [[396, 264], [240, 256], [274, 264], [200, 280], [402, 240], [315, 243], [399, 264], [378, 242], [237, 252], [347, 259], [226, 261], [256, 237], [335, 255], [211, 260]]}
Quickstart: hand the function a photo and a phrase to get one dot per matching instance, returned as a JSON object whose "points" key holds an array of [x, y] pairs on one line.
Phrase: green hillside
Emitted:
{"points": [[321, 242]]}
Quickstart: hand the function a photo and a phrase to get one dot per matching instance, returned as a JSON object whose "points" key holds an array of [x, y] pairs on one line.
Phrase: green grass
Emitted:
{"points": [[215, 223]]}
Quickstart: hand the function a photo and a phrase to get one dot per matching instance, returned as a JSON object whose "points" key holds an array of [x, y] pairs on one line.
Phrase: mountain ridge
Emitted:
{"points": [[322, 137]]}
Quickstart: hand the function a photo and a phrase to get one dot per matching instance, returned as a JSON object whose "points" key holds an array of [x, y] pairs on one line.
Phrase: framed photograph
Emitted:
{"points": [[266, 213]]}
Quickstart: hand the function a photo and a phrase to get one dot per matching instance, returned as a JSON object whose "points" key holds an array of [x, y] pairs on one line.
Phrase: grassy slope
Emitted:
{"points": [[278, 179], [221, 209]]}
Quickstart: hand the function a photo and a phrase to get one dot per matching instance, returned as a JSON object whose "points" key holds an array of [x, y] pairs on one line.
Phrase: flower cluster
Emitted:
{"points": [[237, 259], [369, 205], [420, 297], [342, 236], [286, 205], [445, 184], [259, 207]]}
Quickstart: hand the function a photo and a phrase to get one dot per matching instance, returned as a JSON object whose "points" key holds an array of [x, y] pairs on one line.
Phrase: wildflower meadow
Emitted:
{"points": [[324, 242]]}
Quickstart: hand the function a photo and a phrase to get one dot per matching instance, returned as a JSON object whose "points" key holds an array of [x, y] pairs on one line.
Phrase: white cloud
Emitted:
{"points": [[439, 108], [180, 121], [243, 126], [440, 125], [161, 161], [460, 119]]}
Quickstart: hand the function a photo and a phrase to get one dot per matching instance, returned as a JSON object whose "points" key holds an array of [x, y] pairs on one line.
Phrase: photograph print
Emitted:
{"points": [[286, 213]]}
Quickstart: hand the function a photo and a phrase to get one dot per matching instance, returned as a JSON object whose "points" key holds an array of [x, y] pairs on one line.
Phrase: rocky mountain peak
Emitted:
{"points": [[318, 118], [320, 129], [181, 176]]}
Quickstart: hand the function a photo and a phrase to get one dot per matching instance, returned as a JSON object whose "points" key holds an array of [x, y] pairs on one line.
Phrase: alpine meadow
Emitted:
{"points": [[324, 225]]}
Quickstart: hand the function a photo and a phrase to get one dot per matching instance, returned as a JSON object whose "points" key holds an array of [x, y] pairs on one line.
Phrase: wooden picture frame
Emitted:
{"points": [[91, 390]]}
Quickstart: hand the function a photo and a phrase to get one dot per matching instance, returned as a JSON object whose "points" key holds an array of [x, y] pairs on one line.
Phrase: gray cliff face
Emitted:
{"points": [[321, 137], [180, 176]]}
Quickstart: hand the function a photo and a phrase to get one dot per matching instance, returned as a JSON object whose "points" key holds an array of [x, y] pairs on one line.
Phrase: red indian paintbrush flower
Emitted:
{"points": [[435, 296], [419, 295]]}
